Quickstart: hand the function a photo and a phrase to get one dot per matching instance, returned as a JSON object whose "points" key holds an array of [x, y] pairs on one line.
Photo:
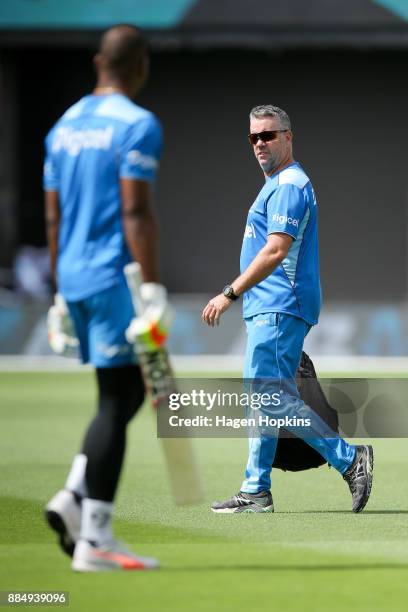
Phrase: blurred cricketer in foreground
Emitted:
{"points": [[280, 285], [101, 160]]}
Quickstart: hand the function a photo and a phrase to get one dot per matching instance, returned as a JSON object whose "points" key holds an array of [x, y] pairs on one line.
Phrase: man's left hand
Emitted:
{"points": [[214, 309], [61, 332]]}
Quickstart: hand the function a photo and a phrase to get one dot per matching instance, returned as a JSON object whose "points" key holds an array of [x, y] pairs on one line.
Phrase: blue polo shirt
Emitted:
{"points": [[286, 204], [98, 141]]}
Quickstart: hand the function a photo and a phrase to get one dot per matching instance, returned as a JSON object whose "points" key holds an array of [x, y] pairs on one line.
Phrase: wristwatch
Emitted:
{"points": [[229, 292]]}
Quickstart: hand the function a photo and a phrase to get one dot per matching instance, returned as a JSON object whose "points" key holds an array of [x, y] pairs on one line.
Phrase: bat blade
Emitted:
{"points": [[159, 381], [183, 470], [182, 466]]}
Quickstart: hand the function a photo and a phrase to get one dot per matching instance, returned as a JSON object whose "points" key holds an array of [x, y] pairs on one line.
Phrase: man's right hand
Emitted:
{"points": [[149, 331], [214, 309]]}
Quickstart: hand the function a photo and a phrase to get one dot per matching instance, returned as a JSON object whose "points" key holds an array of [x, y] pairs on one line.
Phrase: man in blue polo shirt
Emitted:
{"points": [[101, 160], [280, 285]]}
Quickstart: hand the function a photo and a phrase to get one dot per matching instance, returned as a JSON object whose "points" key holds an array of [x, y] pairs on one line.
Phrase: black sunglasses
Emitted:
{"points": [[266, 136]]}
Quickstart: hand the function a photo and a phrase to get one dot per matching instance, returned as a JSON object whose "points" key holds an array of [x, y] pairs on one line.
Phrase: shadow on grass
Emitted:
{"points": [[22, 522]]}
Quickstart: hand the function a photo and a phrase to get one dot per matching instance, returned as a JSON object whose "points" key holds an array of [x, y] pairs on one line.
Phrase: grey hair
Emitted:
{"points": [[268, 110]]}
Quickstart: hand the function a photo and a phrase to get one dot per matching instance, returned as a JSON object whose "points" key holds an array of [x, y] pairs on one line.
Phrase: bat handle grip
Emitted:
{"points": [[133, 274]]}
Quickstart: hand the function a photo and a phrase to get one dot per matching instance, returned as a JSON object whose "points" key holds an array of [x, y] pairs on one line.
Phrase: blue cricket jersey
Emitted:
{"points": [[286, 204], [98, 141]]}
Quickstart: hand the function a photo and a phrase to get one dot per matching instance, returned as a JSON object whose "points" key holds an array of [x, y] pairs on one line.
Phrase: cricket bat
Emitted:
{"points": [[158, 377]]}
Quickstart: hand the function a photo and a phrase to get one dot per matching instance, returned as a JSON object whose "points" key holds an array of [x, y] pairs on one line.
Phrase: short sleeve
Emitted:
{"points": [[286, 208], [50, 172], [141, 151]]}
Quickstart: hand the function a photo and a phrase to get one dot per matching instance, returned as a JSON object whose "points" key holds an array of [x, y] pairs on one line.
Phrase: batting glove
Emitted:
{"points": [[153, 294], [148, 332], [61, 333]]}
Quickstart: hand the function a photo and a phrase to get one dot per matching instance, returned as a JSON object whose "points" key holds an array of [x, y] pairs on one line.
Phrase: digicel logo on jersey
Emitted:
{"points": [[73, 141], [250, 231], [282, 219]]}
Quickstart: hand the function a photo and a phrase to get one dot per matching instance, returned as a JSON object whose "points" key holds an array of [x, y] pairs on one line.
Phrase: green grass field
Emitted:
{"points": [[312, 554]]}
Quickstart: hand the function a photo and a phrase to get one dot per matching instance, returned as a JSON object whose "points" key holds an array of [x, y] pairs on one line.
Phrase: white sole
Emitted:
{"points": [[267, 509], [84, 567], [79, 566]]}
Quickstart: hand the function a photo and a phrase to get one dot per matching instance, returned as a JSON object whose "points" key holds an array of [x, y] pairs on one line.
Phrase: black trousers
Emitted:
{"points": [[121, 392]]}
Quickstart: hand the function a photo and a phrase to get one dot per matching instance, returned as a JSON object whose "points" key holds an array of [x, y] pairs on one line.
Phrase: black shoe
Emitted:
{"points": [[360, 477], [245, 502]]}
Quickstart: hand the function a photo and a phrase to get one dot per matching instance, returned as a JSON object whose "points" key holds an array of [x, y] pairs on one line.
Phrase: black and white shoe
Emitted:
{"points": [[63, 515], [360, 477], [245, 502]]}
